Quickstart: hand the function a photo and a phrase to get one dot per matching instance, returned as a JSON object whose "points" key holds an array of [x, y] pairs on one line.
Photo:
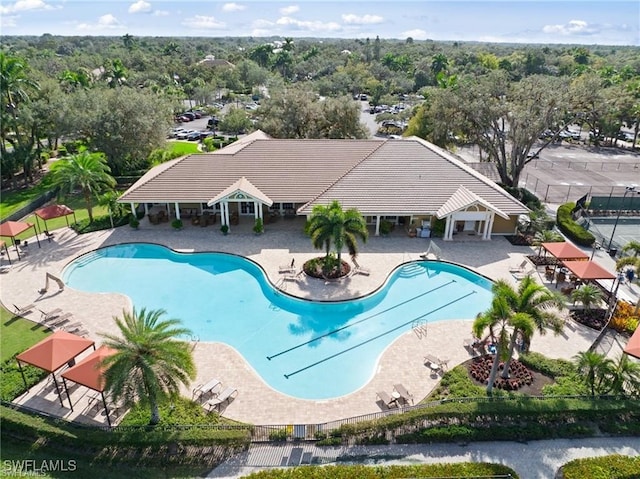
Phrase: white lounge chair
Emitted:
{"points": [[359, 269], [404, 394], [519, 268], [24, 310], [226, 396], [49, 315], [212, 388], [387, 400]]}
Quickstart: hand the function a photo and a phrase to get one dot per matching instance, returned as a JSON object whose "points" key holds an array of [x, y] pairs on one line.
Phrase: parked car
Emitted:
{"points": [[193, 136], [189, 114], [184, 134]]}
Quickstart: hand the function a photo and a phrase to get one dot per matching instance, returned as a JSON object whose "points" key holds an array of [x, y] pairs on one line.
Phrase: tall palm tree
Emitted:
{"points": [[626, 377], [87, 171], [150, 362], [587, 294], [537, 302], [331, 224], [110, 200], [500, 317], [596, 370]]}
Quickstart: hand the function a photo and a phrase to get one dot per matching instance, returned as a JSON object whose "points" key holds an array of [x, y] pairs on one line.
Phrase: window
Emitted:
{"points": [[247, 208]]}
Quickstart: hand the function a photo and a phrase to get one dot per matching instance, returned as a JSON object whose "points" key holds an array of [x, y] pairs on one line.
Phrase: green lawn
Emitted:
{"points": [[183, 147], [18, 334], [13, 201]]}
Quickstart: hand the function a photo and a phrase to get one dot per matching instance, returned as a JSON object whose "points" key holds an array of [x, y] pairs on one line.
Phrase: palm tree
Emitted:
{"points": [[331, 224], [110, 200], [501, 317], [150, 362], [632, 246], [596, 370], [545, 236], [86, 171], [587, 294], [537, 302], [626, 376]]}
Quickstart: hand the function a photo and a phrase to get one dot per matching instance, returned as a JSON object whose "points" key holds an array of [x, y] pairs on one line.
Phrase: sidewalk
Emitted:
{"points": [[533, 460]]}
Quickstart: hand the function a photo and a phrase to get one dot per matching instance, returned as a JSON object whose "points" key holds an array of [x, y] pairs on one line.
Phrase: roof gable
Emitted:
{"points": [[463, 199]]}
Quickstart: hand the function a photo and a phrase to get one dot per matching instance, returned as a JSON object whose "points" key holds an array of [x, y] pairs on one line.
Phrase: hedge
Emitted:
{"points": [[388, 472], [570, 228], [605, 467]]}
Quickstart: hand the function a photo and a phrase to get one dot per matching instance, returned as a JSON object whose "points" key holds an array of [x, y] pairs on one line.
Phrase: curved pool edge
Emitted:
{"points": [[273, 284]]}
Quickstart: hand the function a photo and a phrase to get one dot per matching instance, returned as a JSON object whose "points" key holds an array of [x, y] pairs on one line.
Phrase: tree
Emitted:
{"points": [[633, 246], [110, 200], [587, 294], [595, 369], [87, 171], [534, 300], [150, 362], [235, 121], [500, 316], [128, 41], [331, 224]]}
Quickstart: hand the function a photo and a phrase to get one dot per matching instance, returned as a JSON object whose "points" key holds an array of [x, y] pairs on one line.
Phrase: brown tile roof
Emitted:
{"points": [[287, 171], [409, 176]]}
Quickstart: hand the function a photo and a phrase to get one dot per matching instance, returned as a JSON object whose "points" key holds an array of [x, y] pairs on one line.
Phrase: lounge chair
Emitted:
{"points": [[404, 394], [225, 396], [212, 388], [519, 268], [24, 310], [359, 269], [59, 321], [288, 268], [49, 315], [5, 268], [387, 400]]}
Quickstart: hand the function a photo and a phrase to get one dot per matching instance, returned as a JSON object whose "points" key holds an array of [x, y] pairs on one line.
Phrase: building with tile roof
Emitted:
{"points": [[408, 181]]}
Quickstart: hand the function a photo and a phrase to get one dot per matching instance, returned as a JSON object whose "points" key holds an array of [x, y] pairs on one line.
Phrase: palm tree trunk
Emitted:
{"points": [[155, 412], [494, 371], [87, 199], [507, 363]]}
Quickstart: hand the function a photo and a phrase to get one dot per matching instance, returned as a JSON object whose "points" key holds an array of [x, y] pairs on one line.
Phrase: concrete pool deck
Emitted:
{"points": [[402, 362]]}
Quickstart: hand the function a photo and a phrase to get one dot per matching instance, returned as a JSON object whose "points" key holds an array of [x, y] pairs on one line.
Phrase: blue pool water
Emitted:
{"points": [[312, 350]]}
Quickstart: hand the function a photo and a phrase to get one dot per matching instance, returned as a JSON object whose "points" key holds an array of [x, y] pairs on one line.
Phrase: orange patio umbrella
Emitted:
{"points": [[588, 270], [11, 229], [90, 373], [53, 352], [633, 346], [565, 251]]}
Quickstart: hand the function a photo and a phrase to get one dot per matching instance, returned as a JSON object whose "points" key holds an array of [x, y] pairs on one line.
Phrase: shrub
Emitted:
{"points": [[134, 222], [549, 367], [176, 411], [177, 224], [605, 467], [99, 223], [224, 229], [279, 435], [12, 384], [386, 227], [625, 319], [258, 227], [570, 228], [437, 231], [530, 200]]}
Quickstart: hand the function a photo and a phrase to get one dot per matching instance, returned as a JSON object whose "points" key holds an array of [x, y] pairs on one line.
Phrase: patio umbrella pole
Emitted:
{"points": [[64, 381], [106, 409], [22, 372], [57, 389]]}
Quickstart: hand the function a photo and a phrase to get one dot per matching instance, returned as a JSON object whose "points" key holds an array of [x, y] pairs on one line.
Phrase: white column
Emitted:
{"points": [[177, 211], [146, 209], [377, 226], [133, 209], [447, 229], [226, 212], [490, 227], [256, 213]]}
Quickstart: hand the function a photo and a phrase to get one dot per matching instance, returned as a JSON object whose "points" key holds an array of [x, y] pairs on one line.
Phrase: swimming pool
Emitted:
{"points": [[306, 349]]}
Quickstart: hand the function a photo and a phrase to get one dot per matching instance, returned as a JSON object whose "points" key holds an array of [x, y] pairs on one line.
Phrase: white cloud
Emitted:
{"points": [[25, 5], [289, 10], [310, 26], [352, 19], [8, 21], [416, 34], [160, 13], [140, 7], [105, 22], [262, 24], [204, 22], [232, 7], [574, 27]]}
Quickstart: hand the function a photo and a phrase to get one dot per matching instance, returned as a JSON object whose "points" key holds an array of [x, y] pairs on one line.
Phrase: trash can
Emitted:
{"points": [[613, 252]]}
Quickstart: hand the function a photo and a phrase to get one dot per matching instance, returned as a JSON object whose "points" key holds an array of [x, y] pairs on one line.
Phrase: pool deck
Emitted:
{"points": [[402, 362]]}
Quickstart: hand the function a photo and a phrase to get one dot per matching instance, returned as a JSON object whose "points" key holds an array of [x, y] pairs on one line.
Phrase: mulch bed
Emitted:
{"points": [[521, 378], [520, 240], [321, 273], [593, 318], [540, 260]]}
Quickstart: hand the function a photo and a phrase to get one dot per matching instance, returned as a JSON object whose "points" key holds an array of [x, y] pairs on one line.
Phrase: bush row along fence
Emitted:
{"points": [[560, 194], [305, 432], [29, 208]]}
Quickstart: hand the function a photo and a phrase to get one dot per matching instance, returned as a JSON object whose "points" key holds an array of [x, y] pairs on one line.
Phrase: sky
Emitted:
{"points": [[504, 21]]}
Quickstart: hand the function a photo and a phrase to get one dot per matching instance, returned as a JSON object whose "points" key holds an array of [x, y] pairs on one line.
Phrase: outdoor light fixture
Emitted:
{"points": [[627, 190]]}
